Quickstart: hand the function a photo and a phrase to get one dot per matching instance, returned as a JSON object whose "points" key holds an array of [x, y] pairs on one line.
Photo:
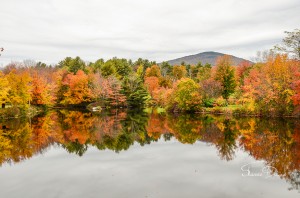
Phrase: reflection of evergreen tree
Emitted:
{"points": [[123, 142], [135, 125], [117, 144], [75, 147], [167, 136]]}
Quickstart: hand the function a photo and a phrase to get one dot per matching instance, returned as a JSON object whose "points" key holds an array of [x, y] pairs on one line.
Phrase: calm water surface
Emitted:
{"points": [[129, 154]]}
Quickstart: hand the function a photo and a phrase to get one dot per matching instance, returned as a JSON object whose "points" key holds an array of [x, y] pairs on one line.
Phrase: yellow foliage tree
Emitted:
{"points": [[20, 84], [4, 89]]}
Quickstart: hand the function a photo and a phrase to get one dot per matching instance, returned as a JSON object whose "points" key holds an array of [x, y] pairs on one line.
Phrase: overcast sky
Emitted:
{"points": [[49, 30]]}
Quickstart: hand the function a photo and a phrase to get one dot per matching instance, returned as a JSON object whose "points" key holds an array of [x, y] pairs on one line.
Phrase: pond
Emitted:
{"points": [[69, 153]]}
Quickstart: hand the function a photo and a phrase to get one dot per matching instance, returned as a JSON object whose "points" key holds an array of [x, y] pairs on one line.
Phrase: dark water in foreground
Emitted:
{"points": [[119, 154]]}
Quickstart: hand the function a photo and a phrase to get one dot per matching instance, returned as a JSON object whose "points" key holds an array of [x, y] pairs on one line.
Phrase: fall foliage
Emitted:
{"points": [[270, 87]]}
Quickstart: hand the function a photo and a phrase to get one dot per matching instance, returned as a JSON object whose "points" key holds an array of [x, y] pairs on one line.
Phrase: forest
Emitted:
{"points": [[268, 87]]}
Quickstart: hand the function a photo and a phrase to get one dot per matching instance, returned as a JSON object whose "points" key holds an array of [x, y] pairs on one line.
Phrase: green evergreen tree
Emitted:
{"points": [[135, 92]]}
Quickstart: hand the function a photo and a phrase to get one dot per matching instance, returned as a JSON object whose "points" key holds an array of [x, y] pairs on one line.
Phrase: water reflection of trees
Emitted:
{"points": [[277, 142]]}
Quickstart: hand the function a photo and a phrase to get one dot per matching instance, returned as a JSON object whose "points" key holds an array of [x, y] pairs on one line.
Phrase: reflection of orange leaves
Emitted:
{"points": [[296, 135], [80, 136], [155, 127], [296, 147], [41, 132], [46, 131], [79, 126]]}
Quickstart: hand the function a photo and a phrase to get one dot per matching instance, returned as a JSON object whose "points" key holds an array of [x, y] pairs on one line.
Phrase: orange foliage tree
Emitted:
{"points": [[179, 72], [154, 71], [270, 85], [152, 83], [78, 89], [40, 91]]}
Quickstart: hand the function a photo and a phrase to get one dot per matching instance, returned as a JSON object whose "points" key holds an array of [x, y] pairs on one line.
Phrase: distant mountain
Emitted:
{"points": [[204, 57]]}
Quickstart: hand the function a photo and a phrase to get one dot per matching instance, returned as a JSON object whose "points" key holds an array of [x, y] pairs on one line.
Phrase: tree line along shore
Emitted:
{"points": [[269, 87]]}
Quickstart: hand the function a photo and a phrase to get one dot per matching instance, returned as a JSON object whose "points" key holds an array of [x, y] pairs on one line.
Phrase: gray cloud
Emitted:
{"points": [[159, 30]]}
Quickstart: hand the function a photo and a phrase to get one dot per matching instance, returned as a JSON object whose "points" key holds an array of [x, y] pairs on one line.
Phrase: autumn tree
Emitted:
{"points": [[114, 92], [271, 85], [40, 93], [20, 83], [108, 90], [4, 89], [296, 96], [243, 70], [162, 96], [179, 72], [225, 74], [78, 89], [153, 71], [151, 83], [60, 88], [204, 72], [185, 96], [8, 68], [165, 81], [210, 90], [100, 86]]}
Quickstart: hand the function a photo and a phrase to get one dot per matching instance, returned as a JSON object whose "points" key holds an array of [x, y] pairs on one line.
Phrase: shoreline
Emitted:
{"points": [[32, 111]]}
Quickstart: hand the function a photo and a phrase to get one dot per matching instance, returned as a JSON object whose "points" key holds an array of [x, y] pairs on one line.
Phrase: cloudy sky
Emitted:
{"points": [[49, 30]]}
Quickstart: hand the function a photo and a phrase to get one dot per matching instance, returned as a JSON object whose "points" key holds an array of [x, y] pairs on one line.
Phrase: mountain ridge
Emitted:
{"points": [[205, 57]]}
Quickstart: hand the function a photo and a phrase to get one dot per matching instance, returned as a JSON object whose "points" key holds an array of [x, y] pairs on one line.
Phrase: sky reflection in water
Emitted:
{"points": [[148, 155]]}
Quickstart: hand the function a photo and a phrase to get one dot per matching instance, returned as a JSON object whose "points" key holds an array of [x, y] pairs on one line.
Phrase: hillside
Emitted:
{"points": [[204, 57]]}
